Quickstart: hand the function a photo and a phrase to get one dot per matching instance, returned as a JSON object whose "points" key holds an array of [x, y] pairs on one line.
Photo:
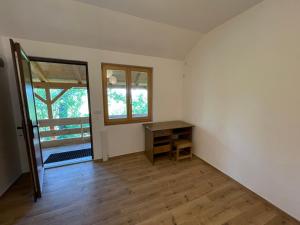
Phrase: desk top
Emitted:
{"points": [[167, 125]]}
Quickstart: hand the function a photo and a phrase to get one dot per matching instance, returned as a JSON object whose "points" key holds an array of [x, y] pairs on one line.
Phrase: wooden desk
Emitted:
{"points": [[159, 137]]}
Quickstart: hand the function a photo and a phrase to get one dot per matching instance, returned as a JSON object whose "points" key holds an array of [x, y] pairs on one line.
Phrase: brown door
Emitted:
{"points": [[30, 122]]}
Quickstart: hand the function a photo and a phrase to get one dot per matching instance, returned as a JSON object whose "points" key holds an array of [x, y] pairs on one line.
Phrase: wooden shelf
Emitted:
{"points": [[167, 141], [162, 140], [162, 149]]}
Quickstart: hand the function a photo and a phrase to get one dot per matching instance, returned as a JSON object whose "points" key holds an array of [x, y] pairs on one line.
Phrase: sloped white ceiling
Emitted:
{"points": [[199, 15], [76, 23]]}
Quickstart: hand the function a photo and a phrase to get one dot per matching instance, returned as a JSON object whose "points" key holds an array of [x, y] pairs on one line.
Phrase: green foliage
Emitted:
{"points": [[41, 92], [116, 95], [54, 93], [72, 104], [68, 106], [117, 102], [139, 105], [41, 110], [41, 107]]}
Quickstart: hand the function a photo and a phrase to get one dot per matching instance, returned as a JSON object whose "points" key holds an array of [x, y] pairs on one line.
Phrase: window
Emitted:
{"points": [[127, 94]]}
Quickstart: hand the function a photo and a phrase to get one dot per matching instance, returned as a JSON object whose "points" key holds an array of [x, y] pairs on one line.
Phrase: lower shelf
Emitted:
{"points": [[161, 149]]}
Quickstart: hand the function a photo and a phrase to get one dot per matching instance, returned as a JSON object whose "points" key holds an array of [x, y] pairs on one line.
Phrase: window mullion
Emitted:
{"points": [[150, 93], [129, 106]]}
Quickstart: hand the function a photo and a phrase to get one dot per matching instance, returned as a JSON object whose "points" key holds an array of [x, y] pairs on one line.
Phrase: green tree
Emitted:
{"points": [[41, 107], [69, 104], [116, 96], [140, 106]]}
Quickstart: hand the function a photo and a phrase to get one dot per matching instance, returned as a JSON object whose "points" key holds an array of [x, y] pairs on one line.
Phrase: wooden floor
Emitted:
{"points": [[129, 190]]}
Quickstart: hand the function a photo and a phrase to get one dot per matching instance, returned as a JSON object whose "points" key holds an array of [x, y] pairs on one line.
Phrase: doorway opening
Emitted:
{"points": [[62, 101]]}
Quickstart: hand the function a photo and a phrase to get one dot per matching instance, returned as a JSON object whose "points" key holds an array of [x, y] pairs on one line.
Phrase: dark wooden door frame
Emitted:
{"points": [[73, 62], [15, 48]]}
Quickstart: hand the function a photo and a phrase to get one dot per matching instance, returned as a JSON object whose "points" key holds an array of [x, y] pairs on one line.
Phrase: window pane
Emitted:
{"points": [[116, 94], [139, 94]]}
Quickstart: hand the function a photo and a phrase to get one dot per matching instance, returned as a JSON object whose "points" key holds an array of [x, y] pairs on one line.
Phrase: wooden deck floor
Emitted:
{"points": [[129, 190]]}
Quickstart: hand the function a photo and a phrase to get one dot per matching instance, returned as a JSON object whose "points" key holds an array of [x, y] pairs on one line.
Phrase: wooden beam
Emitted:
{"points": [[123, 87], [57, 85], [64, 132], [137, 79], [40, 98], [49, 106], [65, 121], [64, 142], [77, 74], [59, 95], [39, 71]]}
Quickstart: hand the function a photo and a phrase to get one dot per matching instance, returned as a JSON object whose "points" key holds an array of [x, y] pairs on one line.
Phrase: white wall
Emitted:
{"points": [[242, 91], [167, 91], [10, 166]]}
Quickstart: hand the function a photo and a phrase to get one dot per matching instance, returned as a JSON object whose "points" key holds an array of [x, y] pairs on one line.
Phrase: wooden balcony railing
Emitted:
{"points": [[58, 129]]}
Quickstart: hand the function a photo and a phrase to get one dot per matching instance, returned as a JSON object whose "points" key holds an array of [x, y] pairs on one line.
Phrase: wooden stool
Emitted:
{"points": [[183, 145]]}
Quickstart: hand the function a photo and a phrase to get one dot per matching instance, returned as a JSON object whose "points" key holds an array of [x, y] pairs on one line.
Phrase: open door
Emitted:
{"points": [[29, 118]]}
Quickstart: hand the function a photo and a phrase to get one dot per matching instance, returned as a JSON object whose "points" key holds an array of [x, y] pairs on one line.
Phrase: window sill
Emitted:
{"points": [[122, 121]]}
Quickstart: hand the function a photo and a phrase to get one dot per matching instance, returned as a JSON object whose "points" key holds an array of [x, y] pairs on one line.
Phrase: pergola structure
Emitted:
{"points": [[63, 77]]}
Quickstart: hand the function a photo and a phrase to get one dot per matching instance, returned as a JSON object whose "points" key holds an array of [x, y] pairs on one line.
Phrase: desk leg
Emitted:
{"points": [[149, 145]]}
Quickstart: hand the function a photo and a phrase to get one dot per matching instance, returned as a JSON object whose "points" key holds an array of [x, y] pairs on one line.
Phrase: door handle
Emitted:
{"points": [[19, 128]]}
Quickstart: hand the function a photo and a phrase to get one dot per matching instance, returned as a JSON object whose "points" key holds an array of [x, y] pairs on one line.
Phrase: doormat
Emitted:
{"points": [[57, 157]]}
